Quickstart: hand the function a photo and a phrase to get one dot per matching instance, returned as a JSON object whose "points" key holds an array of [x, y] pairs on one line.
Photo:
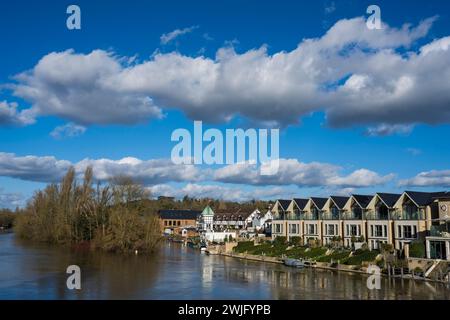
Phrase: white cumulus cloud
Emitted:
{"points": [[355, 75]]}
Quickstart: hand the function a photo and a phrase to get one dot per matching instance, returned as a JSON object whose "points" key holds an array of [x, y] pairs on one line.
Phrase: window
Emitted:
{"points": [[354, 230], [278, 228], [178, 223], [347, 229], [371, 231], [399, 230], [293, 228], [331, 229], [311, 229], [385, 231], [407, 232], [378, 231], [415, 232], [165, 222]]}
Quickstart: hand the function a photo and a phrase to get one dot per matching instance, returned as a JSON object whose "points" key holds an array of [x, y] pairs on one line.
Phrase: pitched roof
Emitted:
{"points": [[389, 198], [284, 203], [424, 198], [228, 213], [301, 203], [340, 201], [207, 211], [319, 202], [443, 195], [362, 199], [179, 214]]}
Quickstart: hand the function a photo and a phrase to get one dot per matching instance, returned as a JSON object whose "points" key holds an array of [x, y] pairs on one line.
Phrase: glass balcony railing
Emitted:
{"points": [[440, 231], [376, 216], [311, 217], [293, 217], [330, 216], [352, 216], [407, 215]]}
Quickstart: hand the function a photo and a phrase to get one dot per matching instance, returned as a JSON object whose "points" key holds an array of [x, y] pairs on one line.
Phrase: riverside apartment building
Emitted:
{"points": [[395, 219]]}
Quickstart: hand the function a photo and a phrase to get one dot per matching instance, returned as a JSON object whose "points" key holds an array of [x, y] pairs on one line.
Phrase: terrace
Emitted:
{"points": [[408, 214], [442, 231], [334, 214], [355, 214], [296, 215]]}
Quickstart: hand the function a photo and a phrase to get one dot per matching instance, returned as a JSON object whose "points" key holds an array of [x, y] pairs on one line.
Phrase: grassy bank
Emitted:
{"points": [[343, 256]]}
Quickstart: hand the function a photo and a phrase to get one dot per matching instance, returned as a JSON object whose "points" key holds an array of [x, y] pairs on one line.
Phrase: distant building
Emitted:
{"points": [[206, 220], [173, 219], [231, 219]]}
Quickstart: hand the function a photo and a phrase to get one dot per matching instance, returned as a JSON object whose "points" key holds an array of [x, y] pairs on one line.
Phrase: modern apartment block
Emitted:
{"points": [[395, 219]]}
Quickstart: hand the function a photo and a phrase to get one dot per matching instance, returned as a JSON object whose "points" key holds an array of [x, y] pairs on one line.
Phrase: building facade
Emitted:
{"points": [[171, 220], [383, 218]]}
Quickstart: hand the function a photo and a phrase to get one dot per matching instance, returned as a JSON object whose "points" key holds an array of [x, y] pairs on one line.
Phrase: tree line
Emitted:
{"points": [[109, 217], [117, 216]]}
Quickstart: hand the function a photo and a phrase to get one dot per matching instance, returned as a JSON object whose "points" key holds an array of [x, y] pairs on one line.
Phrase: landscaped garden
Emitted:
{"points": [[319, 254]]}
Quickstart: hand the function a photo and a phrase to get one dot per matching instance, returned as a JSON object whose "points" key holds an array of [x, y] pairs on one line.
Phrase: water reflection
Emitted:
{"points": [[31, 271]]}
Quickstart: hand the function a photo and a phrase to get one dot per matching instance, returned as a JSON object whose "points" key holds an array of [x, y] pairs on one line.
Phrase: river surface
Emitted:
{"points": [[30, 271]]}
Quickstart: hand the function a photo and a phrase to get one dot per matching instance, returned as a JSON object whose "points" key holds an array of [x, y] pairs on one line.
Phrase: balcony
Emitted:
{"points": [[442, 231], [330, 216], [293, 216], [372, 215], [311, 217], [278, 217], [408, 215], [352, 216]]}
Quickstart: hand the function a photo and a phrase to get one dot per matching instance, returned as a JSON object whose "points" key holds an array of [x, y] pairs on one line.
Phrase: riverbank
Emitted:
{"points": [[323, 258]]}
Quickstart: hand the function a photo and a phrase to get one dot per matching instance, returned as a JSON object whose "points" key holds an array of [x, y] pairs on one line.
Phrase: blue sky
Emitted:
{"points": [[334, 142]]}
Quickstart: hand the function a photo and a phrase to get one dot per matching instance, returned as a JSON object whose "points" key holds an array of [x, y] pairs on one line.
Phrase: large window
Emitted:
{"points": [[293, 228], [311, 229], [353, 230], [407, 232], [278, 228], [331, 230], [381, 211], [378, 231]]}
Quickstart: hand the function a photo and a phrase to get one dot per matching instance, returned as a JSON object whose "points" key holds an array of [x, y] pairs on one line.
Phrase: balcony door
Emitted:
{"points": [[437, 250]]}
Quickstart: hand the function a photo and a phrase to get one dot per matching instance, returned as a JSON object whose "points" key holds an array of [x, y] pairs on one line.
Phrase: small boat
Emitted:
{"points": [[296, 263]]}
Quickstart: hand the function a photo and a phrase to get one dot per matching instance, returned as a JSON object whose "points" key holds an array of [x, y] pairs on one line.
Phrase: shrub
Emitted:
{"points": [[387, 248], [295, 241], [417, 249], [279, 240]]}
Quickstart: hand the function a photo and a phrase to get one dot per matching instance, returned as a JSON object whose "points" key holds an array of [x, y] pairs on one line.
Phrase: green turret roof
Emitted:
{"points": [[208, 211]]}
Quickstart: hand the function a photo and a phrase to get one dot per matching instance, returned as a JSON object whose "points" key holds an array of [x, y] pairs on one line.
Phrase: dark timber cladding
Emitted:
{"points": [[179, 214]]}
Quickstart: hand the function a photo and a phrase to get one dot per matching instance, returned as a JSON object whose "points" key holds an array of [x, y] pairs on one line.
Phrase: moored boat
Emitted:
{"points": [[297, 263]]}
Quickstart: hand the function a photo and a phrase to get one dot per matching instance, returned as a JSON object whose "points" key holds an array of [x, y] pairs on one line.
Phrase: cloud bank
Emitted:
{"points": [[354, 75], [160, 171]]}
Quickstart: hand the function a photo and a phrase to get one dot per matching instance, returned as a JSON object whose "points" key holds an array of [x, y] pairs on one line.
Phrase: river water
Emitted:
{"points": [[30, 271]]}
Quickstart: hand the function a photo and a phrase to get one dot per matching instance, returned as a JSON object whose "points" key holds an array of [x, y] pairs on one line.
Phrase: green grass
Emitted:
{"points": [[318, 254], [360, 256], [335, 256]]}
